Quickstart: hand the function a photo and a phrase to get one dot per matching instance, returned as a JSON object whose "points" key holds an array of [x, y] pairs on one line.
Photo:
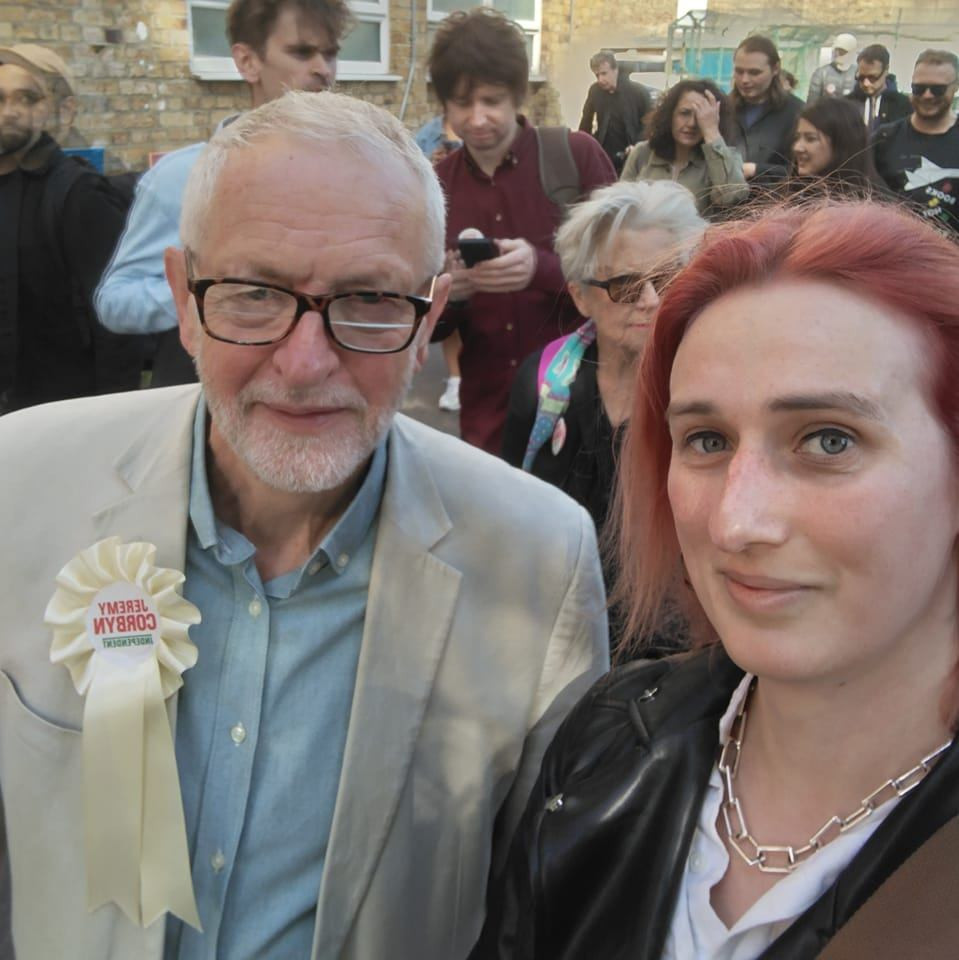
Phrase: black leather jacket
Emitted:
{"points": [[598, 859]]}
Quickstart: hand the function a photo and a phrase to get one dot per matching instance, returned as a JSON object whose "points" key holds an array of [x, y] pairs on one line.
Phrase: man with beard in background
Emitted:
{"points": [[918, 156], [59, 222]]}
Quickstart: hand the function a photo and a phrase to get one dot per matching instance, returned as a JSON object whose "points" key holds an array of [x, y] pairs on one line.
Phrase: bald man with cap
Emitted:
{"points": [[838, 77], [59, 222]]}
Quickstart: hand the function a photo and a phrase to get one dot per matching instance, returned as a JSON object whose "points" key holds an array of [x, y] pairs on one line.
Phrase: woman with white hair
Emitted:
{"points": [[569, 401]]}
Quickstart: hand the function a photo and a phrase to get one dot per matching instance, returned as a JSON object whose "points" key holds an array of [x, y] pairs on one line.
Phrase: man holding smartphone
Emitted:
{"points": [[509, 305]]}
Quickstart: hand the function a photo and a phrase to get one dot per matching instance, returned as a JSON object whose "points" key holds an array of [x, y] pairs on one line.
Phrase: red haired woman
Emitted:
{"points": [[792, 466]]}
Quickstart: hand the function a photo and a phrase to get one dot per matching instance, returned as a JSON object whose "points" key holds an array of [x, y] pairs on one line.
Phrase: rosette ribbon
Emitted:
{"points": [[120, 627]]}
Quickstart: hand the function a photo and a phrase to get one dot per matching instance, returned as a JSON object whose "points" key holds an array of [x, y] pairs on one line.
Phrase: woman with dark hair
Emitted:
{"points": [[831, 149], [688, 143], [793, 467]]}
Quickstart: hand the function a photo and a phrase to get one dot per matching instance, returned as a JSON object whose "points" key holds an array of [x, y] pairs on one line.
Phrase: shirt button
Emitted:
{"points": [[255, 607], [509, 326], [499, 218], [512, 363], [314, 568], [218, 861], [238, 733], [696, 863], [342, 560]]}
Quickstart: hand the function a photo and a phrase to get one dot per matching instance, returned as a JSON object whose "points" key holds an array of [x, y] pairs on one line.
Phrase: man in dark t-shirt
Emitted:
{"points": [[918, 156]]}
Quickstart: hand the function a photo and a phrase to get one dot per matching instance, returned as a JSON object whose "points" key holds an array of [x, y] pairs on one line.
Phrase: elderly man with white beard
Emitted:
{"points": [[380, 627]]}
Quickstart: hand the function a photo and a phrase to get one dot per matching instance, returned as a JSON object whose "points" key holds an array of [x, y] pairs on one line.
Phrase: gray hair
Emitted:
{"points": [[318, 118], [590, 226]]}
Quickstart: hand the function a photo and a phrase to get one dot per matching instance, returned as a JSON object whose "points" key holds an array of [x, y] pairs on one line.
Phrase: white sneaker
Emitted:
{"points": [[451, 395]]}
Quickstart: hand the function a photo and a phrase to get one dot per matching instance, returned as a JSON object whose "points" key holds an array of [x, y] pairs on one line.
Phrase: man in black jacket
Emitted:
{"points": [[765, 114], [874, 95], [617, 106], [59, 222]]}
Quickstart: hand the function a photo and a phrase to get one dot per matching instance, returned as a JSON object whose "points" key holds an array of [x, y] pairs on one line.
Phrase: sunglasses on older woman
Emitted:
{"points": [[628, 287]]}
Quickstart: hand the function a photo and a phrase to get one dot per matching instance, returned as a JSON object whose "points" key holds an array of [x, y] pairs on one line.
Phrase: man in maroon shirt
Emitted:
{"points": [[507, 307]]}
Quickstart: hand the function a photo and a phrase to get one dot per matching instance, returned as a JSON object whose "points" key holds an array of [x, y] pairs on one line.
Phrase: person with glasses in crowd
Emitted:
{"points": [[918, 156], [276, 45], [393, 623], [788, 788], [688, 142], [875, 95], [570, 402]]}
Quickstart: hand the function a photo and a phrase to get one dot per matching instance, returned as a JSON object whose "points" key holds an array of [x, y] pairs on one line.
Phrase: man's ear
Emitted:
{"points": [[441, 292], [174, 262], [247, 61]]}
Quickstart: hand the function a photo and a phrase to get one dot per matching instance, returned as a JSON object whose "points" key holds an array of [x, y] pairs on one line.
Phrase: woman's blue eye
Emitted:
{"points": [[830, 442], [707, 442]]}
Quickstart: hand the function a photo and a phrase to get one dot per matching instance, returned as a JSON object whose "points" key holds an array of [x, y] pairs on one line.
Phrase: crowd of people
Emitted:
{"points": [[287, 674]]}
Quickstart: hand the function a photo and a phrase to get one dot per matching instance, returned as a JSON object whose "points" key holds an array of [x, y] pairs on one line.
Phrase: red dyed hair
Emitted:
{"points": [[887, 254]]}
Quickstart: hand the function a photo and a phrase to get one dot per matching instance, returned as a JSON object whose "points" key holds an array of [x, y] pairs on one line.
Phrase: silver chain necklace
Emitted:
{"points": [[770, 858]]}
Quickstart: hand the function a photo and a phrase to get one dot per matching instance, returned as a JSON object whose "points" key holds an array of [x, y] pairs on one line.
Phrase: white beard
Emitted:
{"points": [[294, 463]]}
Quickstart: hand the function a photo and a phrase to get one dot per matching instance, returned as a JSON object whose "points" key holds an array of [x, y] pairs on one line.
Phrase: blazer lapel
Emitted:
{"points": [[155, 473], [409, 611]]}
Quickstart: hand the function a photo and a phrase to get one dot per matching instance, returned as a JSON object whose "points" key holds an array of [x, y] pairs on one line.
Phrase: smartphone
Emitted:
{"points": [[476, 249]]}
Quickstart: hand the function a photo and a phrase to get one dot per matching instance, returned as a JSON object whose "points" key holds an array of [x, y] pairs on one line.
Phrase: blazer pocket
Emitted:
{"points": [[29, 727]]}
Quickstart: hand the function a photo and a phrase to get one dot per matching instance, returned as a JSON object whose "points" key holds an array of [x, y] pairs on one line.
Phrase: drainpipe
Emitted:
{"points": [[412, 67]]}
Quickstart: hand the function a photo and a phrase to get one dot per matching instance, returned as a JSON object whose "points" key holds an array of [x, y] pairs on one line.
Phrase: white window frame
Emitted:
{"points": [[365, 11], [532, 28]]}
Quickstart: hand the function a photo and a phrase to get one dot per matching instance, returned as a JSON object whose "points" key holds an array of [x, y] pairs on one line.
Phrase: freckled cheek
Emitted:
{"points": [[691, 502]]}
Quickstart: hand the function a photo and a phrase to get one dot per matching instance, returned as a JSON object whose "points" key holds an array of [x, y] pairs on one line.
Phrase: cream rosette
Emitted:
{"points": [[120, 627]]}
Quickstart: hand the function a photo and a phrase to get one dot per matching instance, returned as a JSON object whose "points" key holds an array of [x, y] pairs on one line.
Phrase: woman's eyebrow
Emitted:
{"points": [[831, 400]]}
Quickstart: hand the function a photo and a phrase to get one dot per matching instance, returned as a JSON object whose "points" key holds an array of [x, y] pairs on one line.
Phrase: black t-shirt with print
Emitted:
{"points": [[923, 168]]}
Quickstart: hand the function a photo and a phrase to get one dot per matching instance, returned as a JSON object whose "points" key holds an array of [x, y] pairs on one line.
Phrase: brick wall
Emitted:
{"points": [[131, 58]]}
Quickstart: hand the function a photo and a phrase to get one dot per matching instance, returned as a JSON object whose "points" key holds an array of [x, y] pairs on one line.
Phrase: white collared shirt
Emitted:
{"points": [[696, 932]]}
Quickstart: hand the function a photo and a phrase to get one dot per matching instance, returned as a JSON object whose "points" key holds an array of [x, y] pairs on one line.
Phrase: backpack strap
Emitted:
{"points": [[913, 913], [558, 173], [58, 184]]}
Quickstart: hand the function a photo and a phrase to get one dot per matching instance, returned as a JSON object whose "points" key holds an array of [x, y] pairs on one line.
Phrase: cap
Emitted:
{"points": [[847, 42], [39, 61]]}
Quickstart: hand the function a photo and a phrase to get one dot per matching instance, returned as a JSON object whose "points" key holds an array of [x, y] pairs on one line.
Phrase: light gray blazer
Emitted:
{"points": [[485, 623]]}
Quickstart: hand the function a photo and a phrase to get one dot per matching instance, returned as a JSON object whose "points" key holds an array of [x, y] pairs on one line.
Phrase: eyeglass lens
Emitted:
{"points": [[936, 89], [246, 312], [628, 288]]}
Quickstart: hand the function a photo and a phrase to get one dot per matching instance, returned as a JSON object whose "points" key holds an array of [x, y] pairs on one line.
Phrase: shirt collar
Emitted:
{"points": [[338, 546], [519, 149]]}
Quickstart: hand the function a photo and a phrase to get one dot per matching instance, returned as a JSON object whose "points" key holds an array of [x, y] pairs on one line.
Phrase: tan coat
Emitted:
{"points": [[485, 622]]}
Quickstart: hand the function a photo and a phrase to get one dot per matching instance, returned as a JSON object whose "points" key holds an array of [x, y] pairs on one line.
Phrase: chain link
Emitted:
{"points": [[770, 858]]}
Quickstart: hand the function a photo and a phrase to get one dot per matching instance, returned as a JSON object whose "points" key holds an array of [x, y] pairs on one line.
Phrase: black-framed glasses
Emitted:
{"points": [[936, 89], [628, 287], [254, 314]]}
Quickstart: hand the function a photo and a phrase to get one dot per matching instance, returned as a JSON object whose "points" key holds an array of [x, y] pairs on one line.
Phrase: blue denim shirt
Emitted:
{"points": [[262, 721]]}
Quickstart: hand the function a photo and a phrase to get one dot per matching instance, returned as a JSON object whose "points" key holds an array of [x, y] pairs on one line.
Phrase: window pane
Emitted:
{"points": [[209, 32], [363, 42], [517, 9], [448, 6]]}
